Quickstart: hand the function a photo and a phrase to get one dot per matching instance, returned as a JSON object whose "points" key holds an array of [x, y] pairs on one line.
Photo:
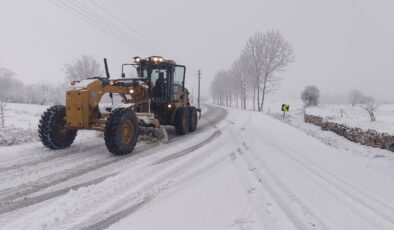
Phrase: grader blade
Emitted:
{"points": [[151, 135]]}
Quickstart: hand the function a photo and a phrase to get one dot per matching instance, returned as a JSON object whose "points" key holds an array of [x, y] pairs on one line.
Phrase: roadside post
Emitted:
{"points": [[285, 108]]}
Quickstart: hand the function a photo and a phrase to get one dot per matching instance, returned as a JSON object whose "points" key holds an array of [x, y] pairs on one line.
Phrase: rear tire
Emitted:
{"points": [[182, 122], [52, 128], [193, 119], [121, 131]]}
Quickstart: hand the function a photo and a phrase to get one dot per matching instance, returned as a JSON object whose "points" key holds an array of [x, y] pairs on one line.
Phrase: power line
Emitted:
{"points": [[199, 79], [94, 22], [140, 35], [86, 19], [93, 15], [129, 27], [104, 21]]}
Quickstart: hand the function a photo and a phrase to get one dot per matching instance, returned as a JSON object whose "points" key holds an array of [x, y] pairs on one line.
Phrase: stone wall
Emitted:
{"points": [[369, 137]]}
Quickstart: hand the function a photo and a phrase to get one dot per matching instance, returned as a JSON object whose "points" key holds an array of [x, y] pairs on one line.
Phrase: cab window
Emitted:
{"points": [[177, 82]]}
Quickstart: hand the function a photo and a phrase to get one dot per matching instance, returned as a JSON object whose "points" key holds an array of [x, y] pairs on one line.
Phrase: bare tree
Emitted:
{"points": [[6, 86], [45, 94], [355, 97], [278, 54], [10, 86], [255, 73], [310, 96], [82, 68], [370, 105], [218, 88], [237, 84], [268, 54], [3, 109]]}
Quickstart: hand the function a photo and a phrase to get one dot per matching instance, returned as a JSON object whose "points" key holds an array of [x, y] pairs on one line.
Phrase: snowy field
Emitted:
{"points": [[357, 117], [239, 170], [21, 123], [24, 116], [339, 113]]}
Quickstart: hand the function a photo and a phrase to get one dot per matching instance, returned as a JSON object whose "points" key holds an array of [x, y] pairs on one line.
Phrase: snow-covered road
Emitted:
{"points": [[240, 170]]}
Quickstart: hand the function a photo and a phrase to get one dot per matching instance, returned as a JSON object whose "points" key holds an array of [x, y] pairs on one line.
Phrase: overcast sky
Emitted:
{"points": [[339, 44]]}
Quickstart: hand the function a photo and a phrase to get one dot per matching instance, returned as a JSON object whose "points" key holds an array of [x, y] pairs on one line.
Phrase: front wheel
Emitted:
{"points": [[193, 119], [121, 131], [52, 128], [182, 123]]}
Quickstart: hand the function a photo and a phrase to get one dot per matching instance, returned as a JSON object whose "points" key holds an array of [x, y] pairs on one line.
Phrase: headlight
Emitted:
{"points": [[137, 59], [157, 59], [131, 91]]}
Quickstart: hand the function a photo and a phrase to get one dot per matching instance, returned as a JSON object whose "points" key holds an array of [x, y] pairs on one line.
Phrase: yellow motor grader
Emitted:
{"points": [[156, 96]]}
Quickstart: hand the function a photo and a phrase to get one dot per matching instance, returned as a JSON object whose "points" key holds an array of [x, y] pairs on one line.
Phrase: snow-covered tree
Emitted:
{"points": [[45, 94], [11, 86], [240, 82], [355, 97], [370, 105], [255, 73], [310, 96], [82, 68], [267, 55]]}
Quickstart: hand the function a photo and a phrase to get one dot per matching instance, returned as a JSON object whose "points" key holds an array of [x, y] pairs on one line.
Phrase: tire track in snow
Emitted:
{"points": [[189, 172], [356, 196], [38, 153], [115, 217], [295, 210], [188, 150], [270, 188], [143, 185], [25, 202], [258, 200], [27, 174], [23, 190], [217, 114], [10, 197]]}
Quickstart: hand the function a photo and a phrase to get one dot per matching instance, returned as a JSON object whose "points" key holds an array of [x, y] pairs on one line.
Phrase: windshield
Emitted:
{"points": [[142, 71], [130, 71]]}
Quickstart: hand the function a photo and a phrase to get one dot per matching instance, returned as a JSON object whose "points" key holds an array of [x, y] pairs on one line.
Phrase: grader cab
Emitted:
{"points": [[155, 97]]}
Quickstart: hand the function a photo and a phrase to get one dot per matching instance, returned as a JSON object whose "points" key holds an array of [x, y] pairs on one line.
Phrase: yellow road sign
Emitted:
{"points": [[285, 107]]}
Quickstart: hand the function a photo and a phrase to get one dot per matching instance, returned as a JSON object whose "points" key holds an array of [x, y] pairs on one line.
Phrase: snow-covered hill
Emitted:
{"points": [[240, 170]]}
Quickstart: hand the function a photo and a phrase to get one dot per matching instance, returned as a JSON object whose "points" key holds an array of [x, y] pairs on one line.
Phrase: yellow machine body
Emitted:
{"points": [[83, 98]]}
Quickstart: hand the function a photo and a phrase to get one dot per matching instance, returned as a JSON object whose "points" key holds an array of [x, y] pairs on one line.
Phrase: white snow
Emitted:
{"points": [[25, 116], [357, 117], [21, 121], [249, 171]]}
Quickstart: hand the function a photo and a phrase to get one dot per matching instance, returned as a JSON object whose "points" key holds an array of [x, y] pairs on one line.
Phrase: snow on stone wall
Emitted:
{"points": [[369, 137]]}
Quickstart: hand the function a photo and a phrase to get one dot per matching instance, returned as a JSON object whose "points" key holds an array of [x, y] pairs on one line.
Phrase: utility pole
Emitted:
{"points": [[192, 95], [199, 79]]}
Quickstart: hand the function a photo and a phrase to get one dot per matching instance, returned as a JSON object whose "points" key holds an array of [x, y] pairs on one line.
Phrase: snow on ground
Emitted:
{"points": [[243, 170], [25, 116], [357, 117], [21, 123], [295, 117], [178, 209]]}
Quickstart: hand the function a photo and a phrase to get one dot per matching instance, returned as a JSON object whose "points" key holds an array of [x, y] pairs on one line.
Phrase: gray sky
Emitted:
{"points": [[339, 44]]}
